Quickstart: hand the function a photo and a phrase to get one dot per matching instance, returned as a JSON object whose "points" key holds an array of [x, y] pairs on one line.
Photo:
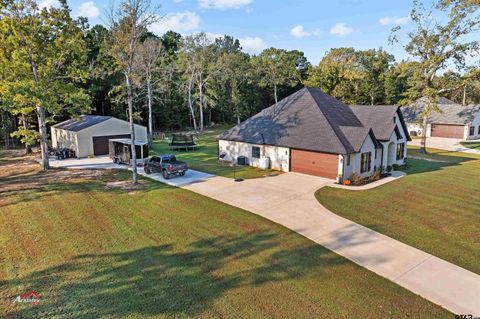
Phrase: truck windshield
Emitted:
{"points": [[169, 159]]}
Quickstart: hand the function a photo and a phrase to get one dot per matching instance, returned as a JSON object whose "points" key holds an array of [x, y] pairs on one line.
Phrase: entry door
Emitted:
{"points": [[314, 163]]}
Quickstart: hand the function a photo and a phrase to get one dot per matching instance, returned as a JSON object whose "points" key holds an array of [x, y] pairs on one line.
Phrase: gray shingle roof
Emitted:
{"points": [[380, 119], [81, 123], [308, 119], [451, 113]]}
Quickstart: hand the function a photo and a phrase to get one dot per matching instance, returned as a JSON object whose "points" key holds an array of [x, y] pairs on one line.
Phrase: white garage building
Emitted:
{"points": [[89, 134]]}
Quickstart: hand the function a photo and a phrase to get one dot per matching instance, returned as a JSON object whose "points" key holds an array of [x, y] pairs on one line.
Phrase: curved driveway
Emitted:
{"points": [[288, 199]]}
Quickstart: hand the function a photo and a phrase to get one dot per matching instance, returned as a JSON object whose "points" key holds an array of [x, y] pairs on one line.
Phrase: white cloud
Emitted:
{"points": [[88, 10], [179, 22], [394, 20], [252, 45], [340, 29], [299, 32], [223, 4], [402, 20], [48, 4], [385, 20]]}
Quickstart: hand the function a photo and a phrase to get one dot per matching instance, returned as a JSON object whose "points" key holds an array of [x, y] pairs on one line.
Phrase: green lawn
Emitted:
{"points": [[435, 208], [159, 251], [472, 145], [205, 157]]}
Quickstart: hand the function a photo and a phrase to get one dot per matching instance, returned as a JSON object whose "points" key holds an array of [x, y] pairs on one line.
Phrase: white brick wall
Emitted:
{"points": [[279, 156]]}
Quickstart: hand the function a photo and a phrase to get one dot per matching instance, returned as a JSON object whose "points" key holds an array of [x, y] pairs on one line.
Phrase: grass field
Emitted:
{"points": [[157, 251], [472, 145], [435, 208], [205, 158]]}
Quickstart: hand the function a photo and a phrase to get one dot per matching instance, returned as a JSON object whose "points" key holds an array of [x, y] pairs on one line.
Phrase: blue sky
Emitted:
{"points": [[311, 26]]}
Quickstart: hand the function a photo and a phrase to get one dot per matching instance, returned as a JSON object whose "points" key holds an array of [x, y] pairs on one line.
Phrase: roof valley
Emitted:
{"points": [[324, 116]]}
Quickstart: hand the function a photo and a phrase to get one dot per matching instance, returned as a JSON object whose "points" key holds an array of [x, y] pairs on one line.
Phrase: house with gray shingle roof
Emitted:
{"points": [[89, 134], [452, 121], [313, 133]]}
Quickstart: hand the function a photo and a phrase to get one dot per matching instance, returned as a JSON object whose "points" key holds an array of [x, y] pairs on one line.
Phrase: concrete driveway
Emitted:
{"points": [[288, 199], [449, 144], [104, 162]]}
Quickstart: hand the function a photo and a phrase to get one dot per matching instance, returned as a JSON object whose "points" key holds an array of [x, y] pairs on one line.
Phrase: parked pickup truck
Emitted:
{"points": [[165, 164]]}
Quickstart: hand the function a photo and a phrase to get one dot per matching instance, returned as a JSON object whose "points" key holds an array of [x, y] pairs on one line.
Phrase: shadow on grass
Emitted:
{"points": [[164, 280], [472, 145], [435, 160], [31, 185]]}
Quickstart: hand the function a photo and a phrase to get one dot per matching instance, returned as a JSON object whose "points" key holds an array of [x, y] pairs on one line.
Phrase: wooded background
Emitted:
{"points": [[191, 82]]}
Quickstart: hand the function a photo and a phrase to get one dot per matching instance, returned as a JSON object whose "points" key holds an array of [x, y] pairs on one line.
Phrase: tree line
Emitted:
{"points": [[53, 67]]}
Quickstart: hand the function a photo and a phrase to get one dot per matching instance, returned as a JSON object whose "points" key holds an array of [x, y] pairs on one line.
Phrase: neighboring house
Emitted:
{"points": [[89, 134], [453, 120], [312, 133]]}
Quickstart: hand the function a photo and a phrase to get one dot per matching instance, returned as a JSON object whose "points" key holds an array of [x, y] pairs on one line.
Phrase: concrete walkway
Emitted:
{"points": [[449, 144], [288, 199], [393, 177]]}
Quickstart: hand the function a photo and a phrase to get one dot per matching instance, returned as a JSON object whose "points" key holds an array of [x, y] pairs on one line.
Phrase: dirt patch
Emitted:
{"points": [[125, 185], [20, 172]]}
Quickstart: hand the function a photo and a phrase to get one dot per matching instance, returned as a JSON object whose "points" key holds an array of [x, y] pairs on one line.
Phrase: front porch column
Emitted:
{"points": [[384, 154]]}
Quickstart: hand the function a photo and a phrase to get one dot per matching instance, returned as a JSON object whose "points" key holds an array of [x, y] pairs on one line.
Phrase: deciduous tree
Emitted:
{"points": [[437, 44], [46, 51], [277, 67], [129, 22]]}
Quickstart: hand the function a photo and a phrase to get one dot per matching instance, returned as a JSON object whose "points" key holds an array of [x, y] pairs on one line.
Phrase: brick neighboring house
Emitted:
{"points": [[313, 133], [453, 121]]}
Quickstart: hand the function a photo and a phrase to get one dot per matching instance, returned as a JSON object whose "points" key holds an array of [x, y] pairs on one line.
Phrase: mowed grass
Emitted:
{"points": [[435, 208], [205, 157], [159, 252], [472, 145]]}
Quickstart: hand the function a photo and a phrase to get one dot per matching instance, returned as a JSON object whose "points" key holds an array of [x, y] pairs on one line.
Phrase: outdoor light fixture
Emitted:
{"points": [[234, 177], [222, 156]]}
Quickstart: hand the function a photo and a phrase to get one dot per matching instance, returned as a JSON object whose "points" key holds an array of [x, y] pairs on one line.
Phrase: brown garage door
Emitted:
{"points": [[445, 130], [100, 143], [314, 163]]}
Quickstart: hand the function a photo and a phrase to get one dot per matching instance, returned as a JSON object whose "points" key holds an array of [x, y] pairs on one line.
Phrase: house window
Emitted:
{"points": [[472, 130], [366, 162], [394, 120], [375, 153], [400, 151], [348, 160], [255, 152]]}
